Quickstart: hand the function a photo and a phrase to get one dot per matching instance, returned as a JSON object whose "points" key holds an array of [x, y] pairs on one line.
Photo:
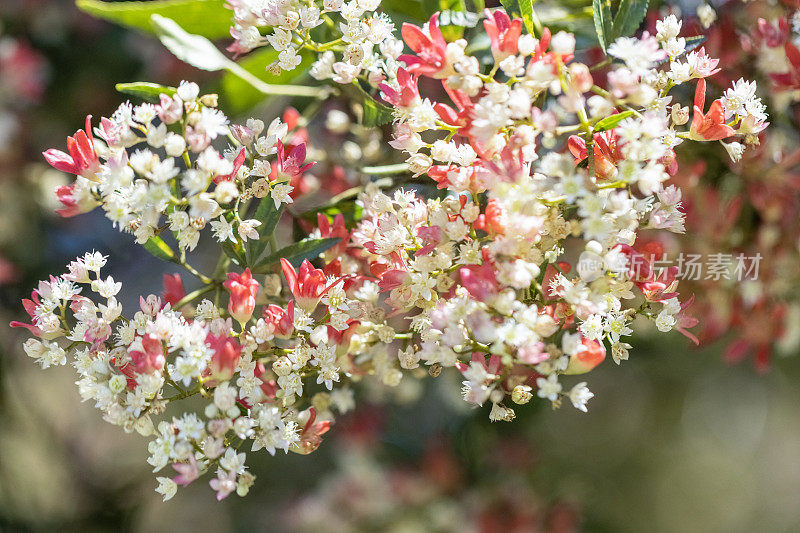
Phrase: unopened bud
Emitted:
{"points": [[282, 366], [521, 394], [209, 100], [680, 115], [580, 77]]}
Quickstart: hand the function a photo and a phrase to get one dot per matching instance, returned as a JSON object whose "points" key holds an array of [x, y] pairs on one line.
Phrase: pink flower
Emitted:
{"points": [[243, 289], [789, 80], [73, 205], [223, 484], [337, 229], [308, 285], [684, 321], [431, 237], [290, 163], [710, 126], [606, 152], [311, 437], [480, 281], [30, 306], [187, 472], [237, 164], [170, 108], [406, 96], [503, 32], [702, 64], [281, 322], [224, 360], [392, 279], [430, 48], [82, 159], [151, 359], [173, 289], [589, 356], [493, 219]]}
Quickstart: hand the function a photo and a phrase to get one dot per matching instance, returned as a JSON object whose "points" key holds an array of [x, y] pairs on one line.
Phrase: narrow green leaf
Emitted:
{"points": [[351, 212], [376, 114], [526, 7], [145, 90], [208, 18], [612, 121], [234, 252], [193, 49], [157, 247], [629, 17], [601, 11], [296, 253], [201, 53], [268, 215], [693, 42]]}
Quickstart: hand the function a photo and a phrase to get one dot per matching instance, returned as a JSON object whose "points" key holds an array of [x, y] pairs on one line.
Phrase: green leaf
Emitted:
{"points": [[145, 90], [528, 16], [234, 252], [511, 6], [601, 11], [375, 113], [612, 121], [193, 49], [693, 42], [629, 17], [296, 253], [268, 215], [412, 9], [208, 18], [157, 247], [201, 53], [350, 210], [241, 95]]}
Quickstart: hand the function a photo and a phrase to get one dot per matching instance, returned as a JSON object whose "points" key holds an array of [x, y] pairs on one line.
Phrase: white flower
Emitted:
{"points": [[549, 388], [247, 229], [167, 487], [188, 91], [706, 14], [665, 321], [223, 230], [289, 59], [280, 39], [579, 395], [280, 194]]}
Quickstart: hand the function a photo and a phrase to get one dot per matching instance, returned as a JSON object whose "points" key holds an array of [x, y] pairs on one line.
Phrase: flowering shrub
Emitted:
{"points": [[513, 253]]}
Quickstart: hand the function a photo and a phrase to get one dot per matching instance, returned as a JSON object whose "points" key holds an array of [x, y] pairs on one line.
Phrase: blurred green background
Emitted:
{"points": [[675, 440]]}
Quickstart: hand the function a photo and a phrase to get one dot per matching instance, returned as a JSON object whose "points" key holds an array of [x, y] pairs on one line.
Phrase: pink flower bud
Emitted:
{"points": [[226, 356], [151, 359], [243, 289], [592, 354]]}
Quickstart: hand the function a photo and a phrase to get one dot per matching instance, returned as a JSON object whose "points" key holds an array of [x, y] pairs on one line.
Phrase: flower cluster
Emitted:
{"points": [[153, 167], [362, 40], [514, 253]]}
